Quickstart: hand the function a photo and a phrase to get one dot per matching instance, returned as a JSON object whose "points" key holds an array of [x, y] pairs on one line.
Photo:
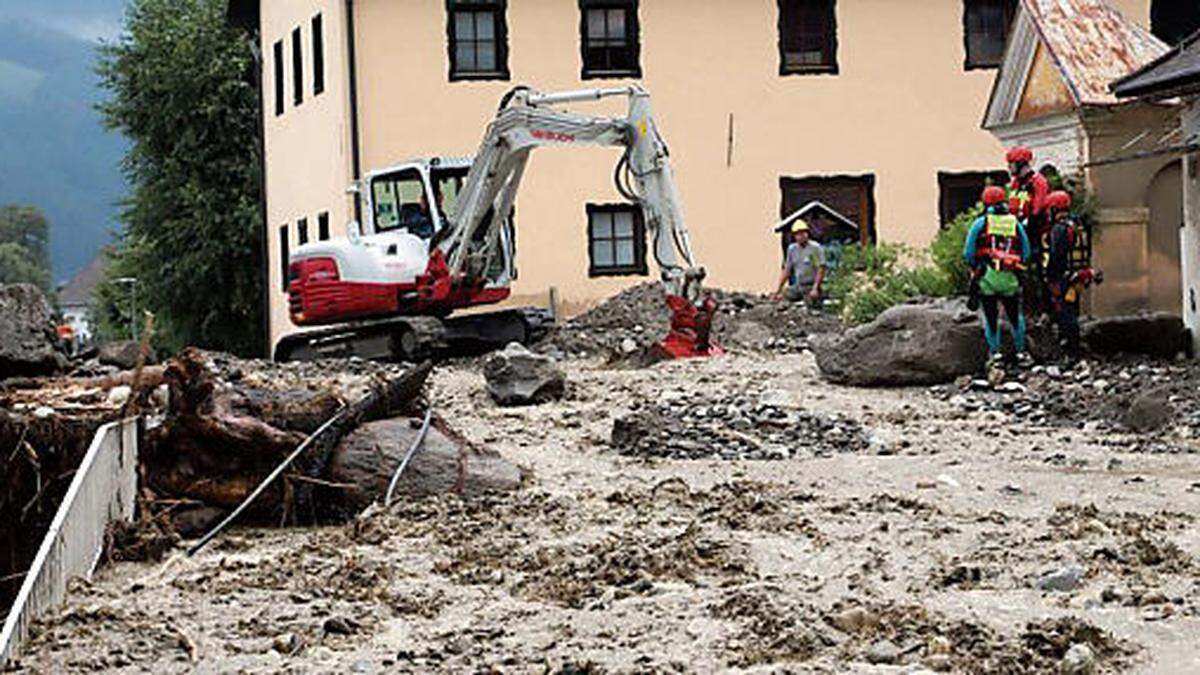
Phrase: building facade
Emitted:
{"points": [[873, 107]]}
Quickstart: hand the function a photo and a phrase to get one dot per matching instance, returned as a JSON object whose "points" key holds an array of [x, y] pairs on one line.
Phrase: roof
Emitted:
{"points": [[78, 291], [815, 205], [1089, 42], [1173, 73]]}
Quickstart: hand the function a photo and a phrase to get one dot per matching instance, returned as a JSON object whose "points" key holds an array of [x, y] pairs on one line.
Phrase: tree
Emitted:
{"points": [[180, 92], [24, 246]]}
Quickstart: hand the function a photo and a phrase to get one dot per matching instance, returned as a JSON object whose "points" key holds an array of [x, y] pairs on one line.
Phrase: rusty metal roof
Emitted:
{"points": [[1092, 44]]}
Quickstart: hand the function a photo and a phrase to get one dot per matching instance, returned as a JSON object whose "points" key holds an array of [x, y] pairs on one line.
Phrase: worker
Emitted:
{"points": [[803, 267], [1061, 281], [1027, 192], [997, 249], [422, 222]]}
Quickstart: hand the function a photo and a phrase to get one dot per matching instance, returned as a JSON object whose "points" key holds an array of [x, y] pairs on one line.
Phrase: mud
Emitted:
{"points": [[921, 550]]}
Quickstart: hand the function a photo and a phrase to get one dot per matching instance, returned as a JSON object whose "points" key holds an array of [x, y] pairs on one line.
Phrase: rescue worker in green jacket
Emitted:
{"points": [[997, 250]]}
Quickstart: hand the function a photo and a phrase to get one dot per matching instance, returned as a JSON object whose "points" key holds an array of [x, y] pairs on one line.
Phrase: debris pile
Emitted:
{"points": [[637, 318], [517, 376], [28, 343], [730, 428]]}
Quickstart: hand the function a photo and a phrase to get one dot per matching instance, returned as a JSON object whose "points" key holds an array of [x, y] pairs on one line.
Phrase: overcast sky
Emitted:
{"points": [[89, 20]]}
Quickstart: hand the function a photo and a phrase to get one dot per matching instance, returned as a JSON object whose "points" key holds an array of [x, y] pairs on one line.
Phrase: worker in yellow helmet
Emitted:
{"points": [[803, 267]]}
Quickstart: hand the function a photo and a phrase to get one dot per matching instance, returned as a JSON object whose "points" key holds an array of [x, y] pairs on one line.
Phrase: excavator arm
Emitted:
{"points": [[527, 120]]}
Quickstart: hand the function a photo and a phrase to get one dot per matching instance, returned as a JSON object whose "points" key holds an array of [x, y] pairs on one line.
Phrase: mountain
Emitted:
{"points": [[54, 152]]}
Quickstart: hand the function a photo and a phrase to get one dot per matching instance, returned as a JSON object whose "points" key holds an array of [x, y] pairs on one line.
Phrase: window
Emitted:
{"points": [[283, 258], [279, 78], [478, 39], [851, 196], [297, 69], [609, 38], [302, 231], [323, 226], [396, 199], [318, 49], [961, 191], [807, 37], [616, 240], [985, 31], [1173, 20]]}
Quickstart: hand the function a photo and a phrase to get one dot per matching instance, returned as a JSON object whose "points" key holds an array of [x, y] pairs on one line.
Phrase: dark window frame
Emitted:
{"points": [[1169, 23], [958, 180], [297, 67], [499, 10], [633, 38], [639, 266], [978, 63], [830, 66], [867, 232], [284, 255], [302, 232], [318, 54], [323, 226], [279, 78]]}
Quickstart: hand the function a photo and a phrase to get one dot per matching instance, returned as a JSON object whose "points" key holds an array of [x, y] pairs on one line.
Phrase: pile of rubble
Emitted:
{"points": [[733, 427], [638, 317], [1159, 400]]}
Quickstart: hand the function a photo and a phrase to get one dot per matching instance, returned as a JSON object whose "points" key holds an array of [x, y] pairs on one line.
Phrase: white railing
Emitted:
{"points": [[101, 492]]}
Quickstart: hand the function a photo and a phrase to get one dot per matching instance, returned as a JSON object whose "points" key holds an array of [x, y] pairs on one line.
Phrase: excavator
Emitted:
{"points": [[439, 238]]}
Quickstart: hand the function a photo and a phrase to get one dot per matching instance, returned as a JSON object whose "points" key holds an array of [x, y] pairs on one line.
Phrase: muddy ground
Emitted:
{"points": [[917, 541]]}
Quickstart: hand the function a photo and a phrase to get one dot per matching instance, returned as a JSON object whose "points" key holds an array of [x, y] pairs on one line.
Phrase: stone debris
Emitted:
{"points": [[1065, 579], [28, 343], [731, 428], [517, 376]]}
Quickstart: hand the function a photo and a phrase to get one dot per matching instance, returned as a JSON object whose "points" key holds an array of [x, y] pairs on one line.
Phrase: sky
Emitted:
{"points": [[54, 152]]}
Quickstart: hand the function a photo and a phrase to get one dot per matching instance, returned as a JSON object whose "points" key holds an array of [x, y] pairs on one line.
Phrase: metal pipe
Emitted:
{"points": [[578, 95], [387, 499]]}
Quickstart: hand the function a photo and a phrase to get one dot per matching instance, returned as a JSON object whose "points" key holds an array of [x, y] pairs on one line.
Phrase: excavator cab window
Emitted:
{"points": [[399, 203], [447, 183]]}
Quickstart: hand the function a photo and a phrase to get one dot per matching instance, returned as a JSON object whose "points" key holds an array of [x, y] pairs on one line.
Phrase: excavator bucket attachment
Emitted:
{"points": [[691, 328]]}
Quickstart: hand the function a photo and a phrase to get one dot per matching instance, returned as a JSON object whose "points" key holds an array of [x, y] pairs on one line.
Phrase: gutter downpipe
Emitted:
{"points": [[355, 157]]}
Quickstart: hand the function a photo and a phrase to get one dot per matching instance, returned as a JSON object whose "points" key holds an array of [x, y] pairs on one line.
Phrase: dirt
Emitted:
{"points": [[918, 543]]}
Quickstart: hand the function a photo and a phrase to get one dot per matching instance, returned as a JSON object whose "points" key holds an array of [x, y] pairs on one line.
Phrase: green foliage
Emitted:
{"points": [[179, 91], [946, 251], [24, 247], [872, 279]]}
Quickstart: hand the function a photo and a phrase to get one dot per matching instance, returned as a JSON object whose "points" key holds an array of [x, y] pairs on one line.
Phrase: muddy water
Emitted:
{"points": [[921, 549]]}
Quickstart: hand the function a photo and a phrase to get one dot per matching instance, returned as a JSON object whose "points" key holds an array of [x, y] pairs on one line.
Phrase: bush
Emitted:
{"points": [[869, 280], [946, 251]]}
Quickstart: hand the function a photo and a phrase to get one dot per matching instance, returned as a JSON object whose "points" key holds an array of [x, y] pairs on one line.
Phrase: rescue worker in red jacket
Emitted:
{"points": [[997, 250], [1027, 194]]}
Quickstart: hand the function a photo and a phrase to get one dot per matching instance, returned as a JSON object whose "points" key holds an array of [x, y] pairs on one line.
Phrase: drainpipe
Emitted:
{"points": [[355, 157], [264, 240]]}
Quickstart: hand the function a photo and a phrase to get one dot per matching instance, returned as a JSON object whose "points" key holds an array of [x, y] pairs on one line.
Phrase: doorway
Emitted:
{"points": [[1165, 199]]}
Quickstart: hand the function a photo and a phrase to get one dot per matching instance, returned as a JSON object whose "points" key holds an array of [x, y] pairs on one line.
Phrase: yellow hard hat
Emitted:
{"points": [[799, 225]]}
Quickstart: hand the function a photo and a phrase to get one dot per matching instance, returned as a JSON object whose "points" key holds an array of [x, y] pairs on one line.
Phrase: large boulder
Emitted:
{"points": [[29, 345], [913, 344], [369, 456], [517, 376], [1151, 333], [123, 354]]}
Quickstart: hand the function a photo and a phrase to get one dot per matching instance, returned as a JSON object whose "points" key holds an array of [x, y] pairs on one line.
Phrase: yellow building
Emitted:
{"points": [[872, 106]]}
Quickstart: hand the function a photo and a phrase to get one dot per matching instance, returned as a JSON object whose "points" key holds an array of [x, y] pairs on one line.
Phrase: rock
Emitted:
{"points": [[1149, 412], [883, 651], [854, 620], [1066, 579], [287, 643], [369, 456], [29, 345], [338, 625], [1151, 333], [123, 354], [517, 376], [1079, 660], [913, 344], [117, 396]]}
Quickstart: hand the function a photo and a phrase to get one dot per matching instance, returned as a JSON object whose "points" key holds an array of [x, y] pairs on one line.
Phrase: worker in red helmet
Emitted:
{"points": [[1061, 281], [997, 250], [1027, 192]]}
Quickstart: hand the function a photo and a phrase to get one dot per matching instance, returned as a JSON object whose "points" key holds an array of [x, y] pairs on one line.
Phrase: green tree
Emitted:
{"points": [[24, 246], [180, 91]]}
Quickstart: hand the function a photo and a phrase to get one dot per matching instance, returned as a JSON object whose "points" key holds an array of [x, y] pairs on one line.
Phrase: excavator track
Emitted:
{"points": [[416, 338]]}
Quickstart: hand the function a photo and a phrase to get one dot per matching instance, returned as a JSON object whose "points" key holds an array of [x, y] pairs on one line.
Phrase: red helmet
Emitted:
{"points": [[1019, 155], [1058, 200], [993, 195]]}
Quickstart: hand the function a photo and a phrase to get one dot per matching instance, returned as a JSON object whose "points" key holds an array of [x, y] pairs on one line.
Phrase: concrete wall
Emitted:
{"points": [[1190, 233], [902, 108]]}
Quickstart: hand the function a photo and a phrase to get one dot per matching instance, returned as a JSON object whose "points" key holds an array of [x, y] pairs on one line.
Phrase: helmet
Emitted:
{"points": [[1059, 200], [1019, 155], [993, 195], [799, 225]]}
